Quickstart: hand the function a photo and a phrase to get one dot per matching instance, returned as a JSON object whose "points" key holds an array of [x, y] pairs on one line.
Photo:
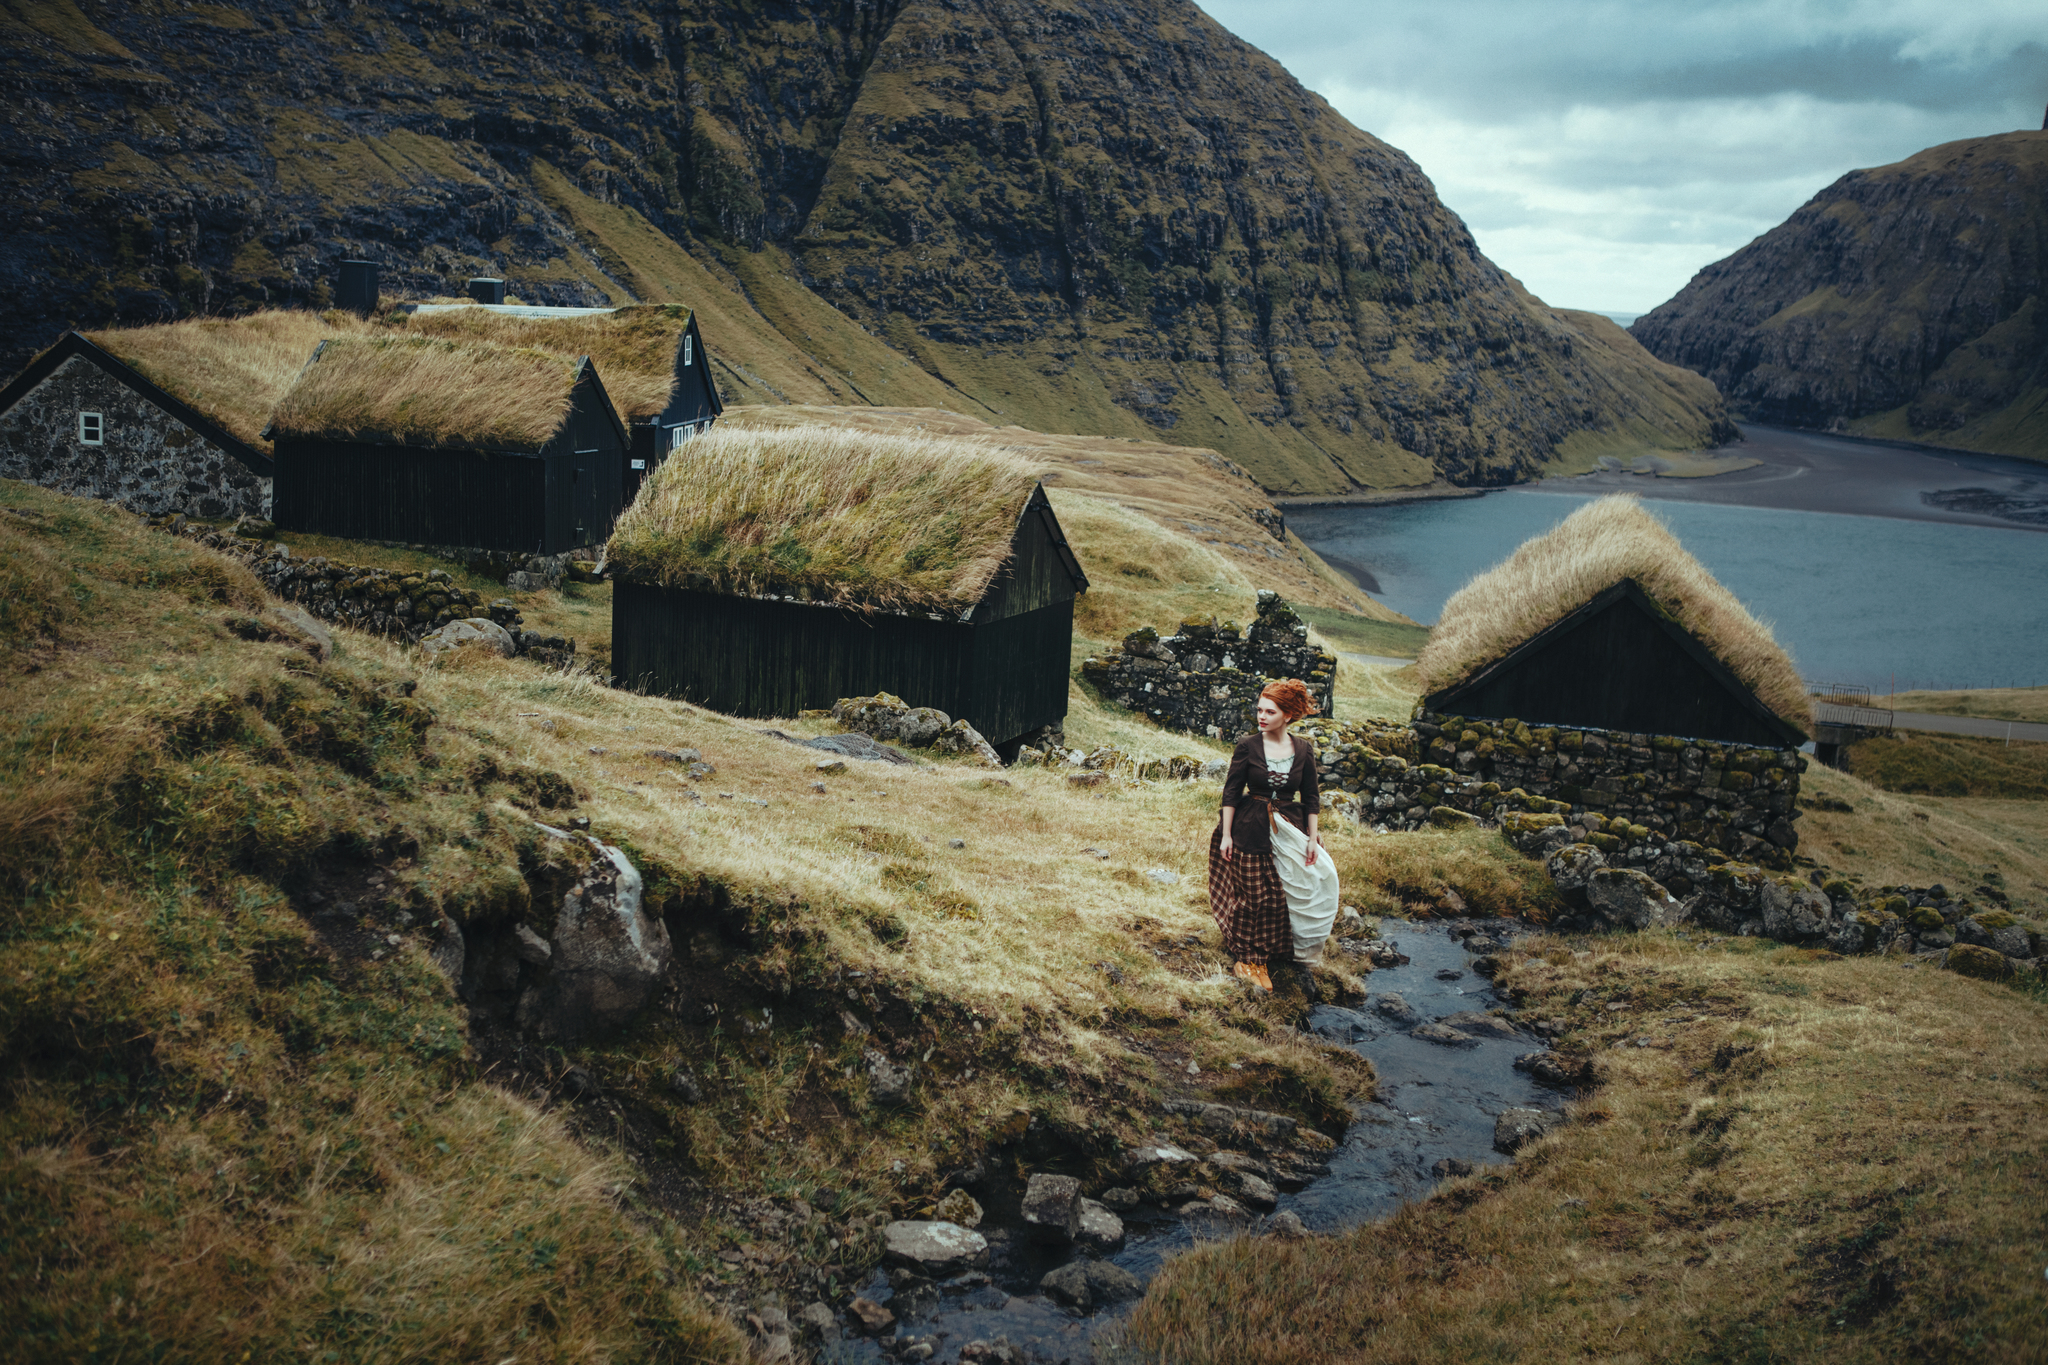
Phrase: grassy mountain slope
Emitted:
{"points": [[1909, 302], [1047, 214]]}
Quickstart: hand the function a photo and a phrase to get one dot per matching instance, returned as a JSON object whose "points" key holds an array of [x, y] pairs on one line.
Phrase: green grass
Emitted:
{"points": [[1928, 764], [1356, 635]]}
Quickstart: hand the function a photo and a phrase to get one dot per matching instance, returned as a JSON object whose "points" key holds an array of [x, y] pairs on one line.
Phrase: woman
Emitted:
{"points": [[1272, 887]]}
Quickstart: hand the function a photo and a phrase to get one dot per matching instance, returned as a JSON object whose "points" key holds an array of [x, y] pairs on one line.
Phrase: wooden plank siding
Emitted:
{"points": [[695, 404], [1618, 663]]}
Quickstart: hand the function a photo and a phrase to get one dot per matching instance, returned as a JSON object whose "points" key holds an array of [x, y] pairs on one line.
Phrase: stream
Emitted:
{"points": [[1434, 1102]]}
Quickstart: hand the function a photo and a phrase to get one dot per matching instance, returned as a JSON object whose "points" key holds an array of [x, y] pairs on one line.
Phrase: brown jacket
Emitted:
{"points": [[1250, 789]]}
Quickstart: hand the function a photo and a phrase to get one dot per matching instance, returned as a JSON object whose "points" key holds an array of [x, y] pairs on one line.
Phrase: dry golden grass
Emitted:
{"points": [[831, 513], [1817, 1159], [1991, 703], [423, 392], [1591, 550], [1891, 839], [634, 348], [232, 369], [1191, 493]]}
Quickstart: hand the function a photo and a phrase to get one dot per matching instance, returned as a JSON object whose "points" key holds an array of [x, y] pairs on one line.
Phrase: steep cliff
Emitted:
{"points": [[1104, 217], [1910, 301]]}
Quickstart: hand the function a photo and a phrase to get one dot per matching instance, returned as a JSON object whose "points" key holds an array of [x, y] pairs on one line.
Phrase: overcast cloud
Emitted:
{"points": [[1604, 150]]}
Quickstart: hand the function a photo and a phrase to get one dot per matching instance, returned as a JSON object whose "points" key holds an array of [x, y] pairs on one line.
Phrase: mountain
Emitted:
{"points": [[1105, 217], [1910, 301]]}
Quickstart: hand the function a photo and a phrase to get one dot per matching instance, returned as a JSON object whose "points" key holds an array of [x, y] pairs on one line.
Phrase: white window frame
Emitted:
{"points": [[679, 434], [686, 350], [94, 422]]}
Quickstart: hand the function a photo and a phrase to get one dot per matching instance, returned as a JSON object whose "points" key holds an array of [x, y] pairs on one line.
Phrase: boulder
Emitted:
{"points": [[1256, 1193], [1449, 817], [1571, 866], [962, 738], [1340, 1025], [1084, 1285], [1450, 1166], [933, 1248], [1555, 1069], [1140, 1159], [917, 727], [1052, 1207], [2013, 941], [1793, 912], [1988, 964], [857, 746], [1393, 1007], [471, 630], [870, 1317], [1517, 1128], [1231, 1118], [888, 1081], [1287, 1227], [1121, 1199], [959, 1207], [606, 956], [815, 1320], [1628, 899], [1443, 1034], [1100, 1229], [1480, 1025]]}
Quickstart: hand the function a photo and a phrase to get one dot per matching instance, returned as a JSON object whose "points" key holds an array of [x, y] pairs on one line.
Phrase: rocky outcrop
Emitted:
{"points": [[1907, 301], [1120, 221], [885, 718]]}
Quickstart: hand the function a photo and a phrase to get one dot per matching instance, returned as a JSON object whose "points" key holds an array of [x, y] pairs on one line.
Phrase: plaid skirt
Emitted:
{"points": [[1249, 903]]}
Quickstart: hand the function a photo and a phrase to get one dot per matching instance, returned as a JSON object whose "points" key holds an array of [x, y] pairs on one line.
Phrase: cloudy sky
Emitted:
{"points": [[1604, 150]]}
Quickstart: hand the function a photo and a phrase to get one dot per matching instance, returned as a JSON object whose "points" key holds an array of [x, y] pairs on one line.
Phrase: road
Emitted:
{"points": [[2030, 731]]}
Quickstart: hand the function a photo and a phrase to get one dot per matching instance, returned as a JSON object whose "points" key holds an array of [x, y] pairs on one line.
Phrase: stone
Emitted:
{"points": [[1987, 964], [1554, 1069], [684, 1085], [1341, 1025], [1099, 1230], [1083, 1285], [1256, 1193], [918, 726], [956, 843], [607, 954], [815, 1321], [830, 765], [1232, 1118], [1111, 1283], [1515, 1129], [2013, 941], [958, 1207], [1287, 1227], [314, 637], [1480, 1025], [997, 1352], [1121, 1199], [1448, 817], [1447, 974], [936, 1249], [1215, 769], [1223, 1206], [1095, 779], [1443, 1034], [1793, 914], [888, 1081], [870, 1316], [1052, 1207], [1140, 1159], [1628, 899], [1450, 1166], [530, 947], [1393, 1007], [858, 746], [1570, 868], [472, 630], [963, 739], [1162, 876]]}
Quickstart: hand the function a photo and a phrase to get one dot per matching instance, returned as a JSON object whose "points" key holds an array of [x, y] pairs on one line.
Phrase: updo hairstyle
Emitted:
{"points": [[1291, 695]]}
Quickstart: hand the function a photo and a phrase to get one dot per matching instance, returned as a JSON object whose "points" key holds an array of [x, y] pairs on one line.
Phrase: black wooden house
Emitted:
{"points": [[371, 448], [1000, 663], [1619, 663]]}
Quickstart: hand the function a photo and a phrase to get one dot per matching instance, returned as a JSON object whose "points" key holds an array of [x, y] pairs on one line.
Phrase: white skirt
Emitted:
{"points": [[1311, 890]]}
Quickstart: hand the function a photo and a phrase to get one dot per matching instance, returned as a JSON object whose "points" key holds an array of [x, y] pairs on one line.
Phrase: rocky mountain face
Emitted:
{"points": [[1110, 217], [1909, 301]]}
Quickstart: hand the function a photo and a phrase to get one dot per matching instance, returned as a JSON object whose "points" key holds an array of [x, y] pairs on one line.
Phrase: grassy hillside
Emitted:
{"points": [[1139, 227], [1907, 301]]}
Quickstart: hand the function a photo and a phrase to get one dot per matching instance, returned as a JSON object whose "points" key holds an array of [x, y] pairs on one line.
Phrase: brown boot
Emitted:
{"points": [[1254, 973]]}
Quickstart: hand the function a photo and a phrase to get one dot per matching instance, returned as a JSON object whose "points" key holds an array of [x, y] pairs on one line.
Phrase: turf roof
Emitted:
{"points": [[412, 390], [634, 348], [1590, 551], [830, 514]]}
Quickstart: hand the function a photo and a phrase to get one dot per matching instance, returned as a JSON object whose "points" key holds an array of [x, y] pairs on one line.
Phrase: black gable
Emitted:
{"points": [[1619, 663]]}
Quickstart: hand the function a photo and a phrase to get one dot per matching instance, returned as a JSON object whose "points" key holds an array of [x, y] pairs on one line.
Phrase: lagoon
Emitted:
{"points": [[1854, 599]]}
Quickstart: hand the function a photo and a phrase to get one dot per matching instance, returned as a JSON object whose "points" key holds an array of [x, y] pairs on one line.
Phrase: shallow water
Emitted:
{"points": [[1433, 1102]]}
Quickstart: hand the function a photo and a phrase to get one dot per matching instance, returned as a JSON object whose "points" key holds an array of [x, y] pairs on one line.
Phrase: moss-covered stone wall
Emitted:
{"points": [[1206, 680]]}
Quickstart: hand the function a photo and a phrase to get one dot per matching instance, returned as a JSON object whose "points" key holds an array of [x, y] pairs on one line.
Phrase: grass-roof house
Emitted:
{"points": [[408, 438], [162, 418], [1607, 623], [777, 571], [651, 355]]}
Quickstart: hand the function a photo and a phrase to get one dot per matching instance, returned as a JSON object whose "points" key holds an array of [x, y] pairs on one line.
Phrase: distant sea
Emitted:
{"points": [[1623, 320], [1854, 599]]}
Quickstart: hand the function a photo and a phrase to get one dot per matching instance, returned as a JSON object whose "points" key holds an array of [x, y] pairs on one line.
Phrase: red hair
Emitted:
{"points": [[1292, 696]]}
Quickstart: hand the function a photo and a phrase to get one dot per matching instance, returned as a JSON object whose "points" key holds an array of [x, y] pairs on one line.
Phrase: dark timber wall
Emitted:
{"points": [[1619, 663], [771, 658]]}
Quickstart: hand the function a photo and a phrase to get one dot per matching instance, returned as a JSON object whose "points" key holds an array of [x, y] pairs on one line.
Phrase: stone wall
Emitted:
{"points": [[151, 463], [1206, 680], [407, 605]]}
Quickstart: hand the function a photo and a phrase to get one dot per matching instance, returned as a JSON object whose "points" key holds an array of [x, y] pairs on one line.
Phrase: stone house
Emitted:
{"points": [[83, 420]]}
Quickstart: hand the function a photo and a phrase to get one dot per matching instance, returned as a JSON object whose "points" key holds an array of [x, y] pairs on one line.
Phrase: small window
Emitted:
{"points": [[677, 435], [639, 464], [686, 349], [92, 429]]}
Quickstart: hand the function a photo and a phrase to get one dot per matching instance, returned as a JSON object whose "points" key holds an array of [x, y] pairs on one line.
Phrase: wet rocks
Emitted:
{"points": [[870, 1317], [1255, 1193], [1341, 1025], [1480, 1025], [1083, 1285], [935, 1249], [1230, 1118], [1287, 1227], [1052, 1208], [1555, 1069], [816, 1322], [1395, 1009], [1099, 1230], [1515, 1129], [1450, 1166], [1141, 1159], [1121, 1199], [1443, 1034]]}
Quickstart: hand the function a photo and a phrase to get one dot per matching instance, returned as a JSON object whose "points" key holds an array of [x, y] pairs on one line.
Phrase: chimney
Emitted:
{"points": [[486, 290], [358, 290]]}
